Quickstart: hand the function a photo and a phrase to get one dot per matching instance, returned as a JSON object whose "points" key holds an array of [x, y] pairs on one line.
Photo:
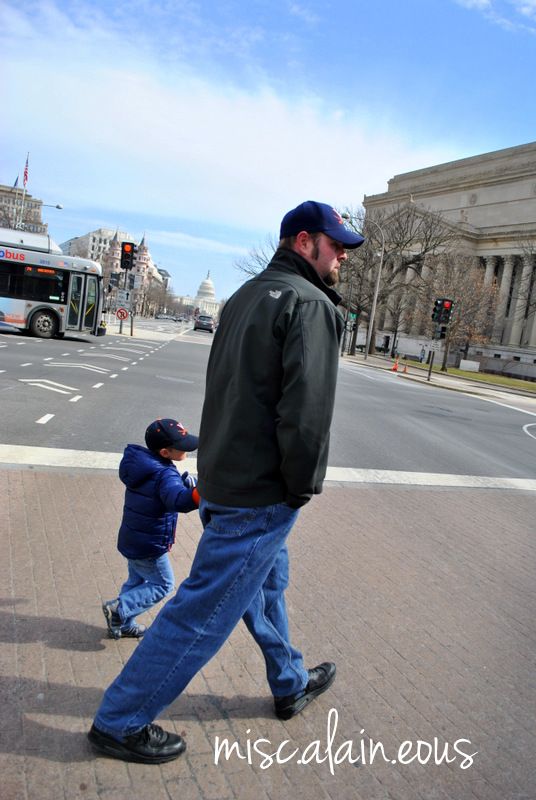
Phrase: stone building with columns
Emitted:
{"points": [[491, 201]]}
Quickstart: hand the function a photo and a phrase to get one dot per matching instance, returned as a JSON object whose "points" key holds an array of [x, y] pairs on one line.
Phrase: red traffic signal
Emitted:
{"points": [[128, 251], [446, 312], [442, 311]]}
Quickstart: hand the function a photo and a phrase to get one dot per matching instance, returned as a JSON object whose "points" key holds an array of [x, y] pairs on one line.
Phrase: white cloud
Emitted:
{"points": [[111, 126], [512, 15], [526, 7], [183, 241], [308, 16]]}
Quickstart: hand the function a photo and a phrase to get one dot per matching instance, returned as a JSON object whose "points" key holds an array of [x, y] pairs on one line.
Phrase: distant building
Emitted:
{"points": [[145, 283], [94, 244], [490, 200], [11, 206], [204, 301]]}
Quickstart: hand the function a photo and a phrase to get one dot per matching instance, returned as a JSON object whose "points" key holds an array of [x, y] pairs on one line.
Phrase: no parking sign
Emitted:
{"points": [[121, 313]]}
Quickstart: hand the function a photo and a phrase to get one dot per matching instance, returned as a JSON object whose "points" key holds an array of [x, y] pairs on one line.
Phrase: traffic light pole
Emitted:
{"points": [[431, 365]]}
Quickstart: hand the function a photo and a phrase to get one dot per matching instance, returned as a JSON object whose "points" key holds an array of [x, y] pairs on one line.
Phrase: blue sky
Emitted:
{"points": [[202, 123]]}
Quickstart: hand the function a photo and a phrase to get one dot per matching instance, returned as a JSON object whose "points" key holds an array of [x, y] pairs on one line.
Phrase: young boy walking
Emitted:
{"points": [[155, 493]]}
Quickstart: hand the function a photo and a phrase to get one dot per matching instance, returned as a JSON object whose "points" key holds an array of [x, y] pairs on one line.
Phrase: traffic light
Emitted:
{"points": [[446, 312], [442, 310], [128, 250], [436, 313]]}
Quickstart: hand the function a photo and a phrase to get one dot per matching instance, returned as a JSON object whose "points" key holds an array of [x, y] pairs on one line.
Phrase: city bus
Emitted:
{"points": [[45, 292]]}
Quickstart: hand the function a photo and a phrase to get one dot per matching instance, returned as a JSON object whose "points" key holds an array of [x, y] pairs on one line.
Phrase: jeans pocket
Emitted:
{"points": [[231, 521]]}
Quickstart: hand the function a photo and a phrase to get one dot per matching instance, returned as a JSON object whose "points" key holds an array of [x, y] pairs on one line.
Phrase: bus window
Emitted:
{"points": [[42, 284], [75, 298], [91, 302]]}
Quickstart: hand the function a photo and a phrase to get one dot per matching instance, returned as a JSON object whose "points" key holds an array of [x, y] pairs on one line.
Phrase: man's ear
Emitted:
{"points": [[302, 241], [164, 452]]}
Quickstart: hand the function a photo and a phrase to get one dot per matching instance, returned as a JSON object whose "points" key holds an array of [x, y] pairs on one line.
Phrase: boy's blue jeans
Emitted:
{"points": [[149, 580], [240, 570]]}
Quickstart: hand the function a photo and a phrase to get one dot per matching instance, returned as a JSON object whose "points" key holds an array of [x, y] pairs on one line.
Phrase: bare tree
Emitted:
{"points": [[409, 236], [258, 258], [453, 275]]}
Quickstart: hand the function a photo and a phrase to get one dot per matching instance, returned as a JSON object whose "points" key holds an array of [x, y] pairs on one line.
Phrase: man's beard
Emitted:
{"points": [[332, 278]]}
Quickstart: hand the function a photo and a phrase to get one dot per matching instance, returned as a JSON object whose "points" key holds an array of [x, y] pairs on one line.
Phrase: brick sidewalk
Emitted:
{"points": [[431, 623]]}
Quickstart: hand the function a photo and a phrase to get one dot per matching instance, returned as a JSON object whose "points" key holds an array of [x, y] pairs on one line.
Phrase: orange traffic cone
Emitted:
{"points": [[394, 368]]}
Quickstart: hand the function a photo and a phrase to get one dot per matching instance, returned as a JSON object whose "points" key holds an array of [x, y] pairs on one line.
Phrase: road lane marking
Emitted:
{"points": [[109, 355], [506, 405], [351, 475], [45, 419], [128, 349], [113, 376], [44, 383], [89, 459], [529, 425], [90, 367], [97, 385], [27, 364], [76, 398]]}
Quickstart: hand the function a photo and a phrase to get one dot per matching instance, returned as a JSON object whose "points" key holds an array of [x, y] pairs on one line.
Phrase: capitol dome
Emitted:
{"points": [[206, 289]]}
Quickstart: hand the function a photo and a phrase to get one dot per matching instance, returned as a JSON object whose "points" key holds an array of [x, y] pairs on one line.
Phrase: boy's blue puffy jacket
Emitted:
{"points": [[155, 493]]}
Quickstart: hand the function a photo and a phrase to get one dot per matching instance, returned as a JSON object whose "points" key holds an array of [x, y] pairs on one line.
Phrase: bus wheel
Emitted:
{"points": [[44, 324]]}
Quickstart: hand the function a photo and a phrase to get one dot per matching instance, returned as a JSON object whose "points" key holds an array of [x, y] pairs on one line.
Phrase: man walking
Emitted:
{"points": [[263, 449]]}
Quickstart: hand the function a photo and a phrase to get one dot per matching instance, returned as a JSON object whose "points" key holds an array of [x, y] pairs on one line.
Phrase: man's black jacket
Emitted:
{"points": [[270, 389]]}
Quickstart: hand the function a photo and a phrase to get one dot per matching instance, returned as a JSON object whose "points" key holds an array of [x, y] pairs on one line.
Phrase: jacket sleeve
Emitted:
{"points": [[310, 362], [174, 494]]}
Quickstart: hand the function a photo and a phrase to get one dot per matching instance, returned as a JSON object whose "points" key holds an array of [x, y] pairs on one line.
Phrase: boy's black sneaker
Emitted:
{"points": [[320, 679], [134, 631], [150, 745], [113, 620]]}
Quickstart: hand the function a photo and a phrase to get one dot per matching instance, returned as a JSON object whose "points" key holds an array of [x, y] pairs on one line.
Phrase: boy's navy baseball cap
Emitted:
{"points": [[169, 433], [316, 217]]}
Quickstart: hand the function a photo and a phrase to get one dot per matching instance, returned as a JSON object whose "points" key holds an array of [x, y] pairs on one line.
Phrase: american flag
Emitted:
{"points": [[25, 179]]}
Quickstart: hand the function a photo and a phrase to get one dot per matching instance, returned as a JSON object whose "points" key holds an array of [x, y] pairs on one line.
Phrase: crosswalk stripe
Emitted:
{"points": [[89, 459]]}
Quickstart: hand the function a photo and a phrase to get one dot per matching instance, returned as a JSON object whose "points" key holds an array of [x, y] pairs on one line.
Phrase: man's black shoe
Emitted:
{"points": [[151, 745], [320, 679]]}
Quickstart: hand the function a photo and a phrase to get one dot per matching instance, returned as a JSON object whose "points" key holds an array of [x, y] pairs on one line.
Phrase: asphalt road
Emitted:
{"points": [[97, 394]]}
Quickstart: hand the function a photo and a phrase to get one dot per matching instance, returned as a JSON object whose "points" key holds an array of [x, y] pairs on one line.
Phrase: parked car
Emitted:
{"points": [[204, 323]]}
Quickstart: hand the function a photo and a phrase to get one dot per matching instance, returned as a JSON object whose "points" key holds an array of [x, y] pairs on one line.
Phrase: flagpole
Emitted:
{"points": [[25, 181]]}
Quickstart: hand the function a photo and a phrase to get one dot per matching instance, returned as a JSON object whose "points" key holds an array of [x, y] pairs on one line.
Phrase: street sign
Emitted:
{"points": [[121, 313], [123, 297]]}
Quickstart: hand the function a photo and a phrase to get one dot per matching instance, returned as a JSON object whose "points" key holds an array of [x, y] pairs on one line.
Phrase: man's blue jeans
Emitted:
{"points": [[149, 580], [240, 570]]}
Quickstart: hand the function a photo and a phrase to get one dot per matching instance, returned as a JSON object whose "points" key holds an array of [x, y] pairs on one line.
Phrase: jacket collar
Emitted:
{"points": [[286, 260]]}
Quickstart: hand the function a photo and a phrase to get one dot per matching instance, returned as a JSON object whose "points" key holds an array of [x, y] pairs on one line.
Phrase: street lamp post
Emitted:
{"points": [[51, 205], [376, 288]]}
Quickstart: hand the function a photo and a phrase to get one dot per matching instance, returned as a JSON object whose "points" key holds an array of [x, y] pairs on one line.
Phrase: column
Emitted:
{"points": [[490, 270], [520, 301], [504, 290], [531, 321]]}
